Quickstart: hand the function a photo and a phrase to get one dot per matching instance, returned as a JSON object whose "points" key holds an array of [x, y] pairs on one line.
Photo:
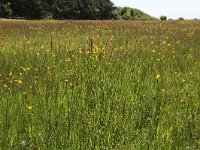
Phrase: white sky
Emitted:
{"points": [[188, 9]]}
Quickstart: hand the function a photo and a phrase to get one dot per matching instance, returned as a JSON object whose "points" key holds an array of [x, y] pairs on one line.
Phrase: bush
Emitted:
{"points": [[163, 18], [180, 18]]}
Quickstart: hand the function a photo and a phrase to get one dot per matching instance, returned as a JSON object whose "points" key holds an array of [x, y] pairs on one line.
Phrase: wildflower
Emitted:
{"points": [[5, 86], [24, 69], [10, 74], [163, 90], [29, 107], [183, 101], [19, 81], [158, 76], [28, 42]]}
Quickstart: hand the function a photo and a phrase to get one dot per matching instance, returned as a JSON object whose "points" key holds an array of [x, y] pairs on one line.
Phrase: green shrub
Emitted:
{"points": [[163, 18], [180, 18]]}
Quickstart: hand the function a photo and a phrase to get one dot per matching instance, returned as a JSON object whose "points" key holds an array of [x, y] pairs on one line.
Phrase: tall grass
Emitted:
{"points": [[100, 85], [1, 33]]}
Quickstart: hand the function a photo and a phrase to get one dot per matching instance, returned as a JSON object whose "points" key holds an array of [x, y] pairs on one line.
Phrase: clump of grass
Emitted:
{"points": [[99, 85]]}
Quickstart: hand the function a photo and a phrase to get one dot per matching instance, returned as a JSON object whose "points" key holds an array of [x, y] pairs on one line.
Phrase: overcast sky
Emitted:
{"points": [[188, 9]]}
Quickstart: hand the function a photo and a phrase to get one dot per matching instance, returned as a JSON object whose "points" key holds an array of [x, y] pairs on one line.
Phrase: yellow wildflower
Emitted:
{"points": [[10, 74], [158, 76], [5, 86], [163, 90], [24, 69], [19, 81], [29, 107]]}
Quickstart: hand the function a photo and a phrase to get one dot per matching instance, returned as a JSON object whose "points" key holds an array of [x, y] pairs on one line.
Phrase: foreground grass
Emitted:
{"points": [[100, 85]]}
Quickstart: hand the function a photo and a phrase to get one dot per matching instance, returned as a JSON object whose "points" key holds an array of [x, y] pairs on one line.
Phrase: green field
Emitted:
{"points": [[113, 85]]}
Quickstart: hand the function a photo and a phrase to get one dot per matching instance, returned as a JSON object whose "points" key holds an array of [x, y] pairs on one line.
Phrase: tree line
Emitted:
{"points": [[57, 9]]}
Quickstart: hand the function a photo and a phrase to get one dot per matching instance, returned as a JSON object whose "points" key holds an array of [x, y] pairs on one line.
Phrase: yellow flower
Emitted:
{"points": [[24, 69], [158, 76], [29, 107], [10, 74], [163, 90], [5, 86], [19, 81]]}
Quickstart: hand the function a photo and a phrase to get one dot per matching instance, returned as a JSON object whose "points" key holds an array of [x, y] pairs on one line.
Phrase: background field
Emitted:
{"points": [[99, 85]]}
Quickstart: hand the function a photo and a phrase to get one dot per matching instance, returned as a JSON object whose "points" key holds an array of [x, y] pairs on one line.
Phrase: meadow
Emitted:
{"points": [[68, 85]]}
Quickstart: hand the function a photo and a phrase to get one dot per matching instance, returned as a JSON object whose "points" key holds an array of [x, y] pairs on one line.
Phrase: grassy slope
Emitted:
{"points": [[99, 85]]}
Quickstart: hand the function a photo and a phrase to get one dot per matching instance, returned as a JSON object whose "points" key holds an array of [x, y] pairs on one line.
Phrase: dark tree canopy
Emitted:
{"points": [[57, 9]]}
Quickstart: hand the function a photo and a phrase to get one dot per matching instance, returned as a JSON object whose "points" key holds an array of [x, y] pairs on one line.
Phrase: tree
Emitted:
{"points": [[5, 9], [34, 9], [88, 9], [106, 9], [64, 9]]}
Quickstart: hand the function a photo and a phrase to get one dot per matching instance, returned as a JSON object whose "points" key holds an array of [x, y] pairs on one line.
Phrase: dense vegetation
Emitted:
{"points": [[66, 9], [127, 13], [60, 9], [100, 85]]}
